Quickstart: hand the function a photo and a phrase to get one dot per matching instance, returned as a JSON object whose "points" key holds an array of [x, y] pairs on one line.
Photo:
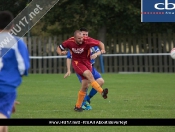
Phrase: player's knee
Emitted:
{"points": [[86, 86], [100, 81], [88, 74]]}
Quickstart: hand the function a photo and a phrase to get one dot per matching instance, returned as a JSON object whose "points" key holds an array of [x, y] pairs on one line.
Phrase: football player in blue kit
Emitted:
{"points": [[14, 63]]}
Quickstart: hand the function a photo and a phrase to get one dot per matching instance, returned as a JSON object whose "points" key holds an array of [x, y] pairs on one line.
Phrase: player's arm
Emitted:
{"points": [[68, 64], [94, 42], [102, 47], [61, 50], [14, 106], [22, 57], [97, 52], [95, 55]]}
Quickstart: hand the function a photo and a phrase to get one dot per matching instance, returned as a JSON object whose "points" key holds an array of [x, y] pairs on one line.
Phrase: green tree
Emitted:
{"points": [[114, 16], [99, 16], [14, 6]]}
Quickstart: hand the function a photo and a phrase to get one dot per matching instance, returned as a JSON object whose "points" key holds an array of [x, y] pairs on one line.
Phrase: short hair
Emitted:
{"points": [[83, 29], [76, 32], [5, 20]]}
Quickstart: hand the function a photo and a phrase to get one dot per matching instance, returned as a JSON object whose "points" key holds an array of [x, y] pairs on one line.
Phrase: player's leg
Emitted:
{"points": [[85, 104], [78, 67], [95, 84], [81, 95], [99, 79], [3, 128], [85, 73], [93, 92], [6, 105]]}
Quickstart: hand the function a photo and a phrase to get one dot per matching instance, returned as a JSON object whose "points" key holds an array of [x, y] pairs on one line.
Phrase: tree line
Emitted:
{"points": [[100, 17]]}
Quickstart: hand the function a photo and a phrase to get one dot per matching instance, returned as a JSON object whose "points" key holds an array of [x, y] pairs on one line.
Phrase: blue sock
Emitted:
{"points": [[91, 93]]}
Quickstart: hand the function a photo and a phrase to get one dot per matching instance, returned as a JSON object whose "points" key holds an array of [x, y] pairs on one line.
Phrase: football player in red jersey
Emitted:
{"points": [[95, 52], [80, 48]]}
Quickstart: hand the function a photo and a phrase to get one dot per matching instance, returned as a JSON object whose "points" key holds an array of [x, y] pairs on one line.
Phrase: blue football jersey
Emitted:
{"points": [[14, 62]]}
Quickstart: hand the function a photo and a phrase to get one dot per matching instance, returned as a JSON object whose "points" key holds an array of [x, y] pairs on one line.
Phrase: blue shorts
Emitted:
{"points": [[6, 103], [95, 73]]}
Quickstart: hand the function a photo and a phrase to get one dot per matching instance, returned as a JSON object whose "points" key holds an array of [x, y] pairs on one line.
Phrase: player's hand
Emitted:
{"points": [[93, 56], [63, 52], [103, 51], [67, 74], [14, 106]]}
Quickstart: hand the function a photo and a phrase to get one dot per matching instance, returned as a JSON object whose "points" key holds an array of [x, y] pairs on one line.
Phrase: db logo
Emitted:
{"points": [[164, 6]]}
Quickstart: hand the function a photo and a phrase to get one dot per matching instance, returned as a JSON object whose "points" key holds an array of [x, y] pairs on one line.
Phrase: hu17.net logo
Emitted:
{"points": [[157, 10]]}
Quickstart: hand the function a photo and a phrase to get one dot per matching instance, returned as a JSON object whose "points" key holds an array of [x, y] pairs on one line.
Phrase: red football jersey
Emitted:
{"points": [[80, 52]]}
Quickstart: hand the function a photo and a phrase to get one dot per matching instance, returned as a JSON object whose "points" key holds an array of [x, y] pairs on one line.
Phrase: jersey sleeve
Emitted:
{"points": [[69, 56], [66, 43], [96, 48], [24, 60], [92, 42], [63, 45]]}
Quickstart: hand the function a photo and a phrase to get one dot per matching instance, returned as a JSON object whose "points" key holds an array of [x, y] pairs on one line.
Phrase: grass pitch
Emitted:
{"points": [[130, 96]]}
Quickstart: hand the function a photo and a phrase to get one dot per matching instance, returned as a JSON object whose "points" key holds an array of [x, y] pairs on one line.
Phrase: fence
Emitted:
{"points": [[148, 53]]}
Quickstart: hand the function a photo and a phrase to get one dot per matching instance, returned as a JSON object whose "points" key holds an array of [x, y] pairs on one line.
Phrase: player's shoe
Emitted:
{"points": [[83, 107], [104, 93], [78, 109], [87, 105]]}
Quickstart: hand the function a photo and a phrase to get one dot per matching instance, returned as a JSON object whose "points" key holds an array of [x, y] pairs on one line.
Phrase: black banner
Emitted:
{"points": [[87, 122]]}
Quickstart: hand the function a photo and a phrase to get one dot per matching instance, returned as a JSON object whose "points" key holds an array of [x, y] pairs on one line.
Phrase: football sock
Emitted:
{"points": [[96, 86], [81, 96], [85, 98], [92, 92], [88, 98]]}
